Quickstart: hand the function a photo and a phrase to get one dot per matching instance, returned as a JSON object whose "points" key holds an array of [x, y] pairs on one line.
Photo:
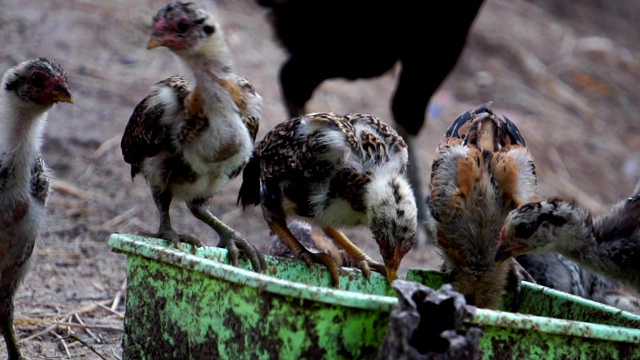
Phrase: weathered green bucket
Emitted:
{"points": [[195, 306]]}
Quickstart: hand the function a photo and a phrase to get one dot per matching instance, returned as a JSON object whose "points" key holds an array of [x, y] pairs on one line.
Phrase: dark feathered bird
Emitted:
{"points": [[27, 92], [481, 171], [558, 272], [313, 239], [188, 143], [608, 244], [335, 171], [328, 39]]}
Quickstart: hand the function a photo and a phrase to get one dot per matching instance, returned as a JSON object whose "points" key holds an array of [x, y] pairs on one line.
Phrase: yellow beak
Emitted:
{"points": [[63, 95], [392, 274], [153, 43]]}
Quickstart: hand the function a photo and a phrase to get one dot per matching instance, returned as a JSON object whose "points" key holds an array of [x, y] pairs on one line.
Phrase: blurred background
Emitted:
{"points": [[567, 73]]}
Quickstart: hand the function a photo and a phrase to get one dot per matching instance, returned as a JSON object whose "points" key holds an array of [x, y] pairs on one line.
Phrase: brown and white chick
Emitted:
{"points": [[335, 171], [481, 171], [608, 244], [189, 143], [29, 90]]}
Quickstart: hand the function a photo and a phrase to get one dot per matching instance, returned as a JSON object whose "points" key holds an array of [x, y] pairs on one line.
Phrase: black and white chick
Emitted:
{"points": [[335, 171], [607, 244], [28, 91], [558, 272], [188, 143]]}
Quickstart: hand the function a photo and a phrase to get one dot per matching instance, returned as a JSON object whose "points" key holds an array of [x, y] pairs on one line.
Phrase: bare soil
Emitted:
{"points": [[567, 73]]}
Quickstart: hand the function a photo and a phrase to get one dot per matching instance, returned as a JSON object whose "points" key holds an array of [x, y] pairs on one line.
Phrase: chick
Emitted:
{"points": [[607, 244], [481, 171], [312, 239], [29, 90], [558, 272], [335, 171], [189, 143]]}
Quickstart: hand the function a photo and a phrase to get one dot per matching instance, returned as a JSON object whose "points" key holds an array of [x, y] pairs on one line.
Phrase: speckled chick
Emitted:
{"points": [[608, 243], [335, 171]]}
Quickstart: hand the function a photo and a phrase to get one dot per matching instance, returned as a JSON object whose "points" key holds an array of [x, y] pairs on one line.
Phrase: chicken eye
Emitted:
{"points": [[37, 80], [524, 231], [182, 26]]}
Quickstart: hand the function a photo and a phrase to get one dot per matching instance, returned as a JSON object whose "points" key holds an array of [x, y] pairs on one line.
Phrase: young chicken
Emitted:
{"points": [[481, 171], [608, 244], [335, 171], [28, 91], [313, 239], [188, 144], [558, 272]]}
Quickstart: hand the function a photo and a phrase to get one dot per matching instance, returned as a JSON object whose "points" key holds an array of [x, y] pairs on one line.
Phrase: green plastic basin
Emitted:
{"points": [[183, 305]]}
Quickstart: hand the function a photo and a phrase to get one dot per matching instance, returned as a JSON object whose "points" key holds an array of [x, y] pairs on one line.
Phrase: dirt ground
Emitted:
{"points": [[567, 74]]}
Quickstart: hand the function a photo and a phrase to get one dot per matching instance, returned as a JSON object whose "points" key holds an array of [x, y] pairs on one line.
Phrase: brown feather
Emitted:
{"points": [[475, 182]]}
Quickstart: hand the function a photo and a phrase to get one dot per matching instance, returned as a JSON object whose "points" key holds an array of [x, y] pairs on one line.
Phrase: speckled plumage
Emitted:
{"points": [[189, 143], [144, 137], [481, 171], [27, 92], [147, 134], [608, 244], [335, 171]]}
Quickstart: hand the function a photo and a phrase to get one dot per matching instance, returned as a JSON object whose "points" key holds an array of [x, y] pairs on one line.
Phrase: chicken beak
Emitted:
{"points": [[392, 274], [62, 94], [154, 43]]}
